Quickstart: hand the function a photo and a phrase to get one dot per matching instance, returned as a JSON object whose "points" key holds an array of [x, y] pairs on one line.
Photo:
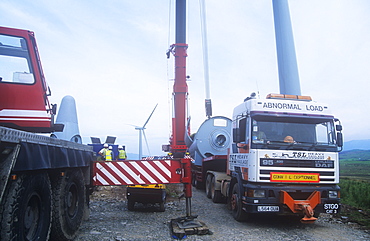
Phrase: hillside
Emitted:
{"points": [[355, 164], [357, 144], [355, 155]]}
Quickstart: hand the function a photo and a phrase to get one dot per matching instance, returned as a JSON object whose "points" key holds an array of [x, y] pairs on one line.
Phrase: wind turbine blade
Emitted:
{"points": [[132, 125], [146, 141], [150, 115]]}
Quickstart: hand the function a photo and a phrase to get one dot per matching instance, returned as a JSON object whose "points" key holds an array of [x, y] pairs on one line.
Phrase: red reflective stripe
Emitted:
{"points": [[133, 168], [136, 172], [149, 172], [124, 172], [117, 176], [103, 176]]}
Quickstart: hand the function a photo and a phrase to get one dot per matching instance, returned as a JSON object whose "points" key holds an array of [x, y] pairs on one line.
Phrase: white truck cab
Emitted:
{"points": [[284, 156]]}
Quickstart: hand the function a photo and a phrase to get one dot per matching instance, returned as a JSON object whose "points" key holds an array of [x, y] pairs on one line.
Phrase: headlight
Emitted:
{"points": [[333, 194], [256, 193]]}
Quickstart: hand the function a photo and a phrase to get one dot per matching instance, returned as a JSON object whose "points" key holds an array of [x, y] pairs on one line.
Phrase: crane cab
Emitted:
{"points": [[24, 103]]}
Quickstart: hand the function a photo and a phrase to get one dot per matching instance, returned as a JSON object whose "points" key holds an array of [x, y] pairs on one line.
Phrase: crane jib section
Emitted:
{"points": [[128, 172]]}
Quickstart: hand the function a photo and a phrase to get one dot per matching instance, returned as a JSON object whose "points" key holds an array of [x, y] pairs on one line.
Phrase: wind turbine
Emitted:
{"points": [[142, 132]]}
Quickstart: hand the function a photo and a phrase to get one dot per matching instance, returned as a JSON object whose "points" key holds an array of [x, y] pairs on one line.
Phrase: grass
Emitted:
{"points": [[354, 169], [355, 187]]}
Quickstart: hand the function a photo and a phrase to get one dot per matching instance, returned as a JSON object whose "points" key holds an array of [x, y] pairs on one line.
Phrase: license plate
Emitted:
{"points": [[268, 208], [331, 208]]}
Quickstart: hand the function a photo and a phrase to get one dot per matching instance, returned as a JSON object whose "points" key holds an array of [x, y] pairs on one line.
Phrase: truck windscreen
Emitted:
{"points": [[293, 134], [15, 66]]}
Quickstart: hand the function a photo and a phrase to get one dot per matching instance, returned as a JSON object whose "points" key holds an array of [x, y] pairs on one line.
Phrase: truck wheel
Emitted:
{"points": [[197, 184], [193, 181], [26, 208], [215, 194], [208, 185], [68, 205], [130, 204], [236, 205]]}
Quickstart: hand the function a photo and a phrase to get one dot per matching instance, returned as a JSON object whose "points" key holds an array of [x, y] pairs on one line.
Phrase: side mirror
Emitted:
{"points": [[54, 108], [338, 127], [238, 135], [340, 139]]}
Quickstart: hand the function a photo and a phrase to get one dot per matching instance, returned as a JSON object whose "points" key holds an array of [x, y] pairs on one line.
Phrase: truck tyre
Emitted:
{"points": [[236, 205], [26, 208], [208, 186], [193, 180], [68, 205], [215, 194], [196, 183]]}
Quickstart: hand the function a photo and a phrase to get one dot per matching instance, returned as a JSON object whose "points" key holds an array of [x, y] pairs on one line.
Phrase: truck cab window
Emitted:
{"points": [[258, 133], [15, 66], [293, 133]]}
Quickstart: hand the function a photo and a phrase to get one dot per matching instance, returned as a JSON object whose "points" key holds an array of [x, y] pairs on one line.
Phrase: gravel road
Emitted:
{"points": [[110, 220]]}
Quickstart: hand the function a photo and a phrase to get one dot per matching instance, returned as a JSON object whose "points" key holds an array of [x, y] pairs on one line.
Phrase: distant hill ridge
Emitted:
{"points": [[358, 155], [356, 145]]}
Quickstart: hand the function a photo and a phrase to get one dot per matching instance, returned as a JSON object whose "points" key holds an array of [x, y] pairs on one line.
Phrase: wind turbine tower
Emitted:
{"points": [[142, 133]]}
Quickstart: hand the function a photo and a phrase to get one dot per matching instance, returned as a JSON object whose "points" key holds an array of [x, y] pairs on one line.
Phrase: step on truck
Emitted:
{"points": [[44, 182], [277, 155]]}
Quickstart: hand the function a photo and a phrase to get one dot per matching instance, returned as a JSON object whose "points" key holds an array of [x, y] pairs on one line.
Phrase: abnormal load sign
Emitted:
{"points": [[294, 177]]}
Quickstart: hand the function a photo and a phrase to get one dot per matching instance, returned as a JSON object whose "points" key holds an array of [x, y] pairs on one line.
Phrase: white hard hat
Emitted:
{"points": [[105, 145], [110, 148], [120, 147]]}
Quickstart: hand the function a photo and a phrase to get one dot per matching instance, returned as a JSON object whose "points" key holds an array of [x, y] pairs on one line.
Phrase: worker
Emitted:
{"points": [[121, 154], [109, 156], [103, 151], [289, 139]]}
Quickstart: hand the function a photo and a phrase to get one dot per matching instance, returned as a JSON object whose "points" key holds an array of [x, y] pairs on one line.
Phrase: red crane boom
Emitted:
{"points": [[180, 89]]}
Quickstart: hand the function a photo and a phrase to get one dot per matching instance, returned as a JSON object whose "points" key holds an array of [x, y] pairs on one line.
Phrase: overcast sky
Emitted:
{"points": [[110, 56]]}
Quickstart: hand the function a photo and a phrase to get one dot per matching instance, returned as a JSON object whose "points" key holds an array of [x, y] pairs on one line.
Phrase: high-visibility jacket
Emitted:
{"points": [[109, 155], [121, 155]]}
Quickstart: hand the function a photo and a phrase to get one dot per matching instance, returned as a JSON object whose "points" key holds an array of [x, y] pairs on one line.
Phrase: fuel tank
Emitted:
{"points": [[212, 138]]}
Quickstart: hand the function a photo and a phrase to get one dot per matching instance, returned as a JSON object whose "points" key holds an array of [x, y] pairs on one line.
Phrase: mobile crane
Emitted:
{"points": [[45, 182]]}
